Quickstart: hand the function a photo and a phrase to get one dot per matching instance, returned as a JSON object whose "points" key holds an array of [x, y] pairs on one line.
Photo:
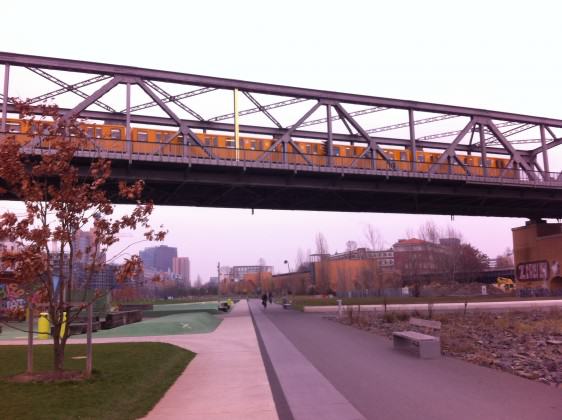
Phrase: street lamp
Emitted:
{"points": [[288, 266]]}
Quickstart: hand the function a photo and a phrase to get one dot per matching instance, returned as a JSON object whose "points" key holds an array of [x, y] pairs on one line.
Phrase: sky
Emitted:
{"points": [[495, 55]]}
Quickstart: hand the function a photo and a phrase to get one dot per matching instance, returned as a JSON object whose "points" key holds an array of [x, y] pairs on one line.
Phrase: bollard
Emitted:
{"points": [[43, 326], [63, 326], [339, 308]]}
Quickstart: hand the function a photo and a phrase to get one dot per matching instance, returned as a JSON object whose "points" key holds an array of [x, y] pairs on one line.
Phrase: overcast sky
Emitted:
{"points": [[495, 55]]}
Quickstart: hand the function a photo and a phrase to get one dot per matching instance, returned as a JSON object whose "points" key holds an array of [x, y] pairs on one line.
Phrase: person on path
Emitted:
{"points": [[264, 300], [270, 297]]}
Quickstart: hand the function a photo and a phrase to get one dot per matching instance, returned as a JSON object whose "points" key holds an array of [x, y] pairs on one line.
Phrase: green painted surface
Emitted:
{"points": [[170, 319]]}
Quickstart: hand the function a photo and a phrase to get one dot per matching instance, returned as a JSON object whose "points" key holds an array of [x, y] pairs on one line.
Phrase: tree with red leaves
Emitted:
{"points": [[60, 201]]}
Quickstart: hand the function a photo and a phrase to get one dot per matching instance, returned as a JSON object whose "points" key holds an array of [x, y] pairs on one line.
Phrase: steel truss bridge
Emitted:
{"points": [[284, 176]]}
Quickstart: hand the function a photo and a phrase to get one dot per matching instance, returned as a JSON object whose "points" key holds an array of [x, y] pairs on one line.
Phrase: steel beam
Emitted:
{"points": [[288, 91], [515, 154], [413, 147], [5, 96], [330, 134], [70, 88], [450, 151], [544, 154], [262, 109]]}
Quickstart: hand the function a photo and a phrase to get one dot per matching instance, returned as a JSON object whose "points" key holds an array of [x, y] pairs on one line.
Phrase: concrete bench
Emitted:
{"points": [[224, 307], [426, 346], [117, 319]]}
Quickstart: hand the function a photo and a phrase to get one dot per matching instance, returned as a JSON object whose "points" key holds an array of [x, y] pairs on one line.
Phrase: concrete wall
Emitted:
{"points": [[537, 249]]}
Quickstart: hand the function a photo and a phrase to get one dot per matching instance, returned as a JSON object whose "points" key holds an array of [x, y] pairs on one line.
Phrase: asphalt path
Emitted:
{"points": [[323, 366]]}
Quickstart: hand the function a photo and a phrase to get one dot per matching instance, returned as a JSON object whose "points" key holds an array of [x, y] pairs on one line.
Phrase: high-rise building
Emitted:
{"points": [[159, 257], [180, 266], [83, 247]]}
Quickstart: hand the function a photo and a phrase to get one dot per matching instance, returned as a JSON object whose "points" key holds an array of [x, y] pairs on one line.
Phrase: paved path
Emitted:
{"points": [[363, 373], [226, 380], [451, 306]]}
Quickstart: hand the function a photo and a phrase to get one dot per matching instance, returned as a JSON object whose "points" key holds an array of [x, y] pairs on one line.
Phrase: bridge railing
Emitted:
{"points": [[190, 154]]}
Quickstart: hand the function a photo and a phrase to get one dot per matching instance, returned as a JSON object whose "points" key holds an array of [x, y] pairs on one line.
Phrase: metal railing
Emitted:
{"points": [[243, 157]]}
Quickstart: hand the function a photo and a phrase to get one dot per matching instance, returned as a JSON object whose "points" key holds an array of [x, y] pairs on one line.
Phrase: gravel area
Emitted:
{"points": [[527, 344]]}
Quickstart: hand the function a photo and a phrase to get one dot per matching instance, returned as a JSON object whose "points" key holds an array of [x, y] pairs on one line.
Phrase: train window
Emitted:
{"points": [[431, 158], [116, 134], [253, 145], [421, 158], [499, 163], [207, 141], [158, 137], [335, 151], [142, 136], [488, 163], [307, 149], [348, 151], [403, 156], [13, 127], [390, 155], [90, 132], [230, 143], [315, 149]]}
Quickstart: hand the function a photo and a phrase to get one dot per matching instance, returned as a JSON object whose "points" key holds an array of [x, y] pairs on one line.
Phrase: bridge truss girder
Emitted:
{"points": [[478, 131]]}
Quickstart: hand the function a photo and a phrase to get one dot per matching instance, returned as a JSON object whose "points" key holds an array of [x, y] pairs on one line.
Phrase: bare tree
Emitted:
{"points": [[350, 246], [374, 238], [505, 260], [322, 274], [429, 232]]}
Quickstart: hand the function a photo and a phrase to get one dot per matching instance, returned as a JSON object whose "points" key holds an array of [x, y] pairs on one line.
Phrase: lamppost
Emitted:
{"points": [[288, 266], [219, 282]]}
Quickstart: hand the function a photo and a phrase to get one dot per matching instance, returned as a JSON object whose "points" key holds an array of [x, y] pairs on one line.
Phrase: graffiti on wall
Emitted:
{"points": [[13, 300]]}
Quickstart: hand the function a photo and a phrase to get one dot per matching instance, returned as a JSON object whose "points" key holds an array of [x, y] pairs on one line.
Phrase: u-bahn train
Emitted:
{"points": [[111, 137]]}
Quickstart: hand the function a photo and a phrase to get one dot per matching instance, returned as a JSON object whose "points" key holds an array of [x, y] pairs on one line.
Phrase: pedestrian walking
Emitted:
{"points": [[264, 300]]}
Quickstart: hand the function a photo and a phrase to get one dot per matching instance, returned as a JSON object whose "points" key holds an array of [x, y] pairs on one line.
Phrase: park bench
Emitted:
{"points": [[426, 346]]}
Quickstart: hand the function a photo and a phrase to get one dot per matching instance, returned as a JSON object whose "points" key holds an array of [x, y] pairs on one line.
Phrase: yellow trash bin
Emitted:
{"points": [[43, 326], [63, 326]]}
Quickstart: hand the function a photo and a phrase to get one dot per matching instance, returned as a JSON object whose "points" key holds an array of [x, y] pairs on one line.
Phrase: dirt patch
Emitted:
{"points": [[527, 344], [48, 377]]}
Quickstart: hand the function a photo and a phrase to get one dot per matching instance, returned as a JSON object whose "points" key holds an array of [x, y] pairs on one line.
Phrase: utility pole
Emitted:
{"points": [[219, 282]]}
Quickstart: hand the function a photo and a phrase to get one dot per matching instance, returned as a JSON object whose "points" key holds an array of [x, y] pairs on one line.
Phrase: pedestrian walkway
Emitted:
{"points": [[307, 392], [226, 380], [382, 383]]}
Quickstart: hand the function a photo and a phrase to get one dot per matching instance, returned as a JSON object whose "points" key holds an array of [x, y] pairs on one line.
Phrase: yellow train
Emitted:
{"points": [[111, 137]]}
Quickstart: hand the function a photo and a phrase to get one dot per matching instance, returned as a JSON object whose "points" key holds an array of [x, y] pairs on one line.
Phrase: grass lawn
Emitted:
{"points": [[301, 301], [128, 380]]}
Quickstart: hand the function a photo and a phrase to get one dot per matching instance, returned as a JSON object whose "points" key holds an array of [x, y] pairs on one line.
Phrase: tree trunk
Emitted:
{"points": [[59, 355], [29, 336]]}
